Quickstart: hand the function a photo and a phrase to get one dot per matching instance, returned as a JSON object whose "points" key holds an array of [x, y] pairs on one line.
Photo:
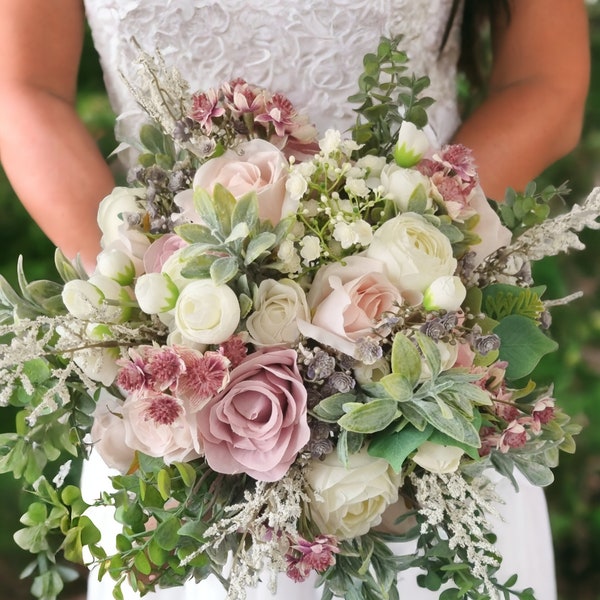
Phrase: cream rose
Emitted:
{"points": [[347, 502], [437, 458], [254, 166], [278, 306], [414, 252], [346, 299], [207, 313]]}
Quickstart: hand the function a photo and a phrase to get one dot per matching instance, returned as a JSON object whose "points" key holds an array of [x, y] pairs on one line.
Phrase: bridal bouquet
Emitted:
{"points": [[293, 350]]}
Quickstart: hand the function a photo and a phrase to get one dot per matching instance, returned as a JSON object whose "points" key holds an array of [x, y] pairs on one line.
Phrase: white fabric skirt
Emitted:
{"points": [[524, 541]]}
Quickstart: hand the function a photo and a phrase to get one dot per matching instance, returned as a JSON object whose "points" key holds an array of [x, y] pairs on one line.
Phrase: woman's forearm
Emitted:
{"points": [[54, 167]]}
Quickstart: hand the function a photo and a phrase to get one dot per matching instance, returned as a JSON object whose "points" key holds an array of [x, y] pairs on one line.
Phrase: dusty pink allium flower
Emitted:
{"points": [[162, 408], [163, 366], [514, 436], [205, 108], [243, 98], [281, 113], [234, 349], [205, 375], [305, 556]]}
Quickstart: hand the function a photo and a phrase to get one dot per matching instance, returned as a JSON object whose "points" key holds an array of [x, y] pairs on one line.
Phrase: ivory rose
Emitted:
{"points": [[346, 299], [258, 424], [437, 458], [108, 434], [207, 313], [414, 252], [254, 166], [348, 501], [278, 306]]}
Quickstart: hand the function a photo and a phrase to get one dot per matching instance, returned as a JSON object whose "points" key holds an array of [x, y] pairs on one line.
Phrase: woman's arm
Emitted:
{"points": [[539, 81], [49, 157]]}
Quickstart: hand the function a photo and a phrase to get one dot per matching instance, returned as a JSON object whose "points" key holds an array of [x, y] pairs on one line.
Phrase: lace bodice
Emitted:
{"points": [[309, 50]]}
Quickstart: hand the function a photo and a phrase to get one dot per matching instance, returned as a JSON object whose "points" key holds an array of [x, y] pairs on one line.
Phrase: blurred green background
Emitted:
{"points": [[574, 499]]}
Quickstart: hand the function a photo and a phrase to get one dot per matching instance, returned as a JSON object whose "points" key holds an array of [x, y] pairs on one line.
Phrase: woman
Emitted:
{"points": [[310, 51]]}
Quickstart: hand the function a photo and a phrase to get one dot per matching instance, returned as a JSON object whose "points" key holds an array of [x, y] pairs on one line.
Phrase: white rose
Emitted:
{"points": [[117, 265], [414, 252], [439, 459], [207, 313], [278, 306], [108, 434], [400, 184], [156, 293], [412, 144], [445, 293], [347, 502]]}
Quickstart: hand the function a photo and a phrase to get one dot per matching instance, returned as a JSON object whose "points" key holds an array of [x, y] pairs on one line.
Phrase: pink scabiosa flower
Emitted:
{"points": [[205, 376], [234, 349], [459, 160], [305, 556], [242, 98], [205, 108], [514, 436], [132, 375], [279, 112], [163, 366]]}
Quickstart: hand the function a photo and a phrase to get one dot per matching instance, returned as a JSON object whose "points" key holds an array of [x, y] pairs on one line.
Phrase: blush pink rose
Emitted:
{"points": [[160, 250], [259, 423], [346, 299], [254, 166]]}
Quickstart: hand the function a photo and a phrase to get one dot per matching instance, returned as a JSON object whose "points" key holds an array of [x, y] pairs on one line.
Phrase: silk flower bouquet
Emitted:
{"points": [[284, 338]]}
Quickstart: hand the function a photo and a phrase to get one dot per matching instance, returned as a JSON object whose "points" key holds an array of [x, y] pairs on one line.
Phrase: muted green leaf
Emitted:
{"points": [[260, 244], [395, 447], [406, 360], [224, 269], [370, 417]]}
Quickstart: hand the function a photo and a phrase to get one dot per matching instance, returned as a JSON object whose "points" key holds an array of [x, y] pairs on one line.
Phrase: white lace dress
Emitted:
{"points": [[311, 51]]}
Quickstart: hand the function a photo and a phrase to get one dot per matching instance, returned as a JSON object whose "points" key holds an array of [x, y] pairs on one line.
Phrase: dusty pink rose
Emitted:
{"points": [[255, 166], [160, 250], [258, 424], [346, 299]]}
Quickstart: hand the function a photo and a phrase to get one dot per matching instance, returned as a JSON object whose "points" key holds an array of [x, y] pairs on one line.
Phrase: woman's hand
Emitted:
{"points": [[538, 87]]}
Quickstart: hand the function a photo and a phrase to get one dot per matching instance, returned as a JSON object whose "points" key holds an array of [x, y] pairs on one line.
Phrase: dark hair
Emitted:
{"points": [[477, 15]]}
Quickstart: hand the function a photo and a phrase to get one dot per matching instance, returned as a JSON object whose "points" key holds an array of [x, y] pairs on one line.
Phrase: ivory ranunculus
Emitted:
{"points": [[156, 293], [87, 300], [254, 166], [258, 424], [400, 184], [99, 364], [445, 293], [437, 458], [346, 299], [117, 265], [414, 252], [277, 308], [348, 501], [207, 313]]}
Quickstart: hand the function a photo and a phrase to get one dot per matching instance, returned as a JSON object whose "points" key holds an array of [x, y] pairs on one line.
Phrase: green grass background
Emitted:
{"points": [[574, 499]]}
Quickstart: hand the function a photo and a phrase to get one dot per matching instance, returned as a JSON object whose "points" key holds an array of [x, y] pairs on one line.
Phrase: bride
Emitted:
{"points": [[310, 51]]}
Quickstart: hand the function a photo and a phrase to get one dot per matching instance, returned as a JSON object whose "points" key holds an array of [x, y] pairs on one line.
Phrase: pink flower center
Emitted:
{"points": [[163, 410]]}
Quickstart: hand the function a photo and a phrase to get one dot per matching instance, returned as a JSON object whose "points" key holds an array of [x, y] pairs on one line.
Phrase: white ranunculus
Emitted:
{"points": [[412, 144], [108, 434], [445, 293], [173, 267], [400, 184], [82, 299], [413, 251], [207, 313], [99, 364], [156, 293], [348, 501], [278, 306], [374, 372], [117, 265], [437, 458], [115, 232], [116, 304]]}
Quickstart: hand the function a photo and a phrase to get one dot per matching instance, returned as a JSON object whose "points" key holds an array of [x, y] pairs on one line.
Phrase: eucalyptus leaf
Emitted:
{"points": [[522, 345], [332, 408], [193, 233], [152, 139], [246, 211], [431, 353], [535, 473], [205, 207], [224, 204], [397, 387], [395, 447], [224, 269], [260, 244]]}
